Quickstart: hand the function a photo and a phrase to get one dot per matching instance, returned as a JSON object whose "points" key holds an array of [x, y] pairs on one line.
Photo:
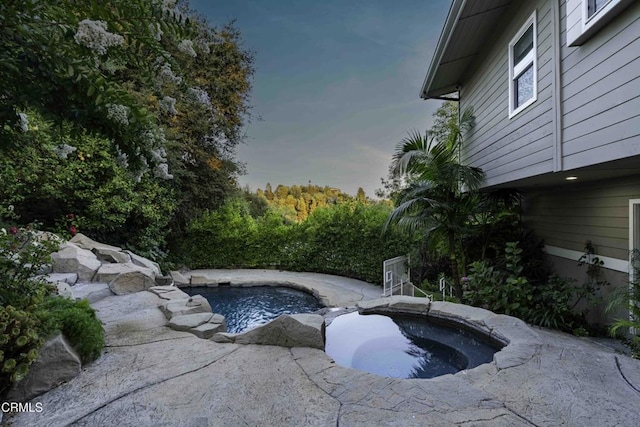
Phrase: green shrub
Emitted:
{"points": [[23, 255], [87, 184], [342, 239], [627, 298], [19, 344], [77, 321], [503, 288]]}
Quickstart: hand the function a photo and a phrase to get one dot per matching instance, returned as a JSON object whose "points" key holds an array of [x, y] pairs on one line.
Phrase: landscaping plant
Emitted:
{"points": [[78, 323], [629, 299], [19, 344], [504, 287], [441, 195]]}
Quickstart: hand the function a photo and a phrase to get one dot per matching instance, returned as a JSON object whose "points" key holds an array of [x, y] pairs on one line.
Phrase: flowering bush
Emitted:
{"points": [[24, 253]]}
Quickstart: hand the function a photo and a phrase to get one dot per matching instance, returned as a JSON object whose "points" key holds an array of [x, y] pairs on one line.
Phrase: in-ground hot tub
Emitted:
{"points": [[247, 306], [396, 338], [405, 346]]}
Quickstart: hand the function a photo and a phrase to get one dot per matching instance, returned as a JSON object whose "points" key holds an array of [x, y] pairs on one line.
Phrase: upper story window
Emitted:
{"points": [[523, 68], [593, 6], [586, 17]]}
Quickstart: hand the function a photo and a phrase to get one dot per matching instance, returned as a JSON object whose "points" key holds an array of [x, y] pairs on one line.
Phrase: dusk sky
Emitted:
{"points": [[336, 85]]}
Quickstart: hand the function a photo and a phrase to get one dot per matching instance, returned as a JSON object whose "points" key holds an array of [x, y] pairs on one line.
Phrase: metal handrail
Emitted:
{"points": [[402, 283]]}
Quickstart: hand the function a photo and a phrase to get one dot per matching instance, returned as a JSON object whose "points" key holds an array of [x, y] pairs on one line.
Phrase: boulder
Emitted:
{"points": [[192, 305], [224, 338], [169, 292], [73, 259], [178, 278], [111, 255], [57, 362], [92, 292], [295, 330], [70, 278], [84, 242], [107, 272], [395, 304], [64, 290], [128, 283], [188, 321], [208, 330], [144, 262], [164, 281], [201, 281]]}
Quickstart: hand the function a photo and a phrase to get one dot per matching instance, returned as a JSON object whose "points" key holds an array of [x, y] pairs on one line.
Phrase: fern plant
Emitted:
{"points": [[629, 298]]}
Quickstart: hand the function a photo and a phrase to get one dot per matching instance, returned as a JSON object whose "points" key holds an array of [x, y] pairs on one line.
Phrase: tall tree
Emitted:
{"points": [[441, 194], [167, 92]]}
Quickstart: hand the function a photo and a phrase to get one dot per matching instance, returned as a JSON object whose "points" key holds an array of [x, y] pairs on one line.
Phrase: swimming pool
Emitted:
{"points": [[247, 307], [403, 346]]}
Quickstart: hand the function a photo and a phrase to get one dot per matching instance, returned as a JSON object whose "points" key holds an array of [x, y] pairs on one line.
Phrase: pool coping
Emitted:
{"points": [[151, 375], [518, 341]]}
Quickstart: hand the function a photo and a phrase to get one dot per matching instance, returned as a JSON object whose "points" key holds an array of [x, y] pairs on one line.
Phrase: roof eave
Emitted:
{"points": [[450, 24]]}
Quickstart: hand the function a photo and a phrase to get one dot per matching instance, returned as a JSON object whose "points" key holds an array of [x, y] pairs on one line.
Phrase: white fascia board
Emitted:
{"points": [[445, 37]]}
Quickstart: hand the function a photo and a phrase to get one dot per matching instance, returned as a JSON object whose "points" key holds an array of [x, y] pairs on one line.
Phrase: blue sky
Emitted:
{"points": [[336, 85]]}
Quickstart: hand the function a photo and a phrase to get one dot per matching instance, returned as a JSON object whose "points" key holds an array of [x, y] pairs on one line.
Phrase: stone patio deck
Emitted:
{"points": [[150, 375]]}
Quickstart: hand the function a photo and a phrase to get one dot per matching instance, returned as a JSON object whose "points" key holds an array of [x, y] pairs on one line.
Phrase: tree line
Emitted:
{"points": [[297, 202]]}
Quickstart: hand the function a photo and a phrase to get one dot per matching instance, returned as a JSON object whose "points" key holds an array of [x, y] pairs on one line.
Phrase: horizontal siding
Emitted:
{"points": [[581, 107], [622, 111], [574, 19], [601, 94], [508, 149], [568, 215], [618, 149]]}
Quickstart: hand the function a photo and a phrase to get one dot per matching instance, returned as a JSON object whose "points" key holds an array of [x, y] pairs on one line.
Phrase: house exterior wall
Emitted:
{"points": [[509, 149], [570, 214], [601, 92], [595, 314], [588, 105], [567, 216]]}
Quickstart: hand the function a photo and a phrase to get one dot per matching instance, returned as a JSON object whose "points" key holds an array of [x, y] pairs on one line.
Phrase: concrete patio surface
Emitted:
{"points": [[150, 375]]}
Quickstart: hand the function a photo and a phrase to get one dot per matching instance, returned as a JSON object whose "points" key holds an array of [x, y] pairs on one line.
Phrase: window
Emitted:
{"points": [[586, 17], [523, 72], [594, 6]]}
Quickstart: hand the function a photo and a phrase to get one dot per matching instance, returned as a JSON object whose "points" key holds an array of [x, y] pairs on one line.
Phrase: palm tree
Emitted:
{"points": [[441, 194]]}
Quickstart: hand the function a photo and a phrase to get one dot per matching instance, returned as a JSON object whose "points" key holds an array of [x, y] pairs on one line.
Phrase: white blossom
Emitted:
{"points": [[166, 74], [122, 159], [94, 35], [188, 158], [199, 95], [203, 45], [159, 155], [118, 113], [186, 46], [168, 104], [154, 138], [162, 171], [168, 4], [63, 150], [154, 28], [24, 122], [139, 173]]}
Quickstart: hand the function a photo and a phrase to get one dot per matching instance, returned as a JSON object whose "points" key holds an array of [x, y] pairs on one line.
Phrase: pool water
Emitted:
{"points": [[403, 346], [247, 307]]}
